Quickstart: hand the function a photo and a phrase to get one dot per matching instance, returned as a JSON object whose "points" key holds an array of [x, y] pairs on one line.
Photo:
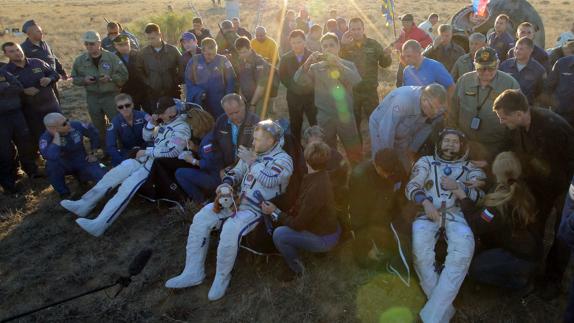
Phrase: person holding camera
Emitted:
{"points": [[471, 109], [333, 79], [102, 74], [170, 139]]}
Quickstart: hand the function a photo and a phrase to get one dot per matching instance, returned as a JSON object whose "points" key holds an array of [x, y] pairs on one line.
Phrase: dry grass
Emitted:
{"points": [[45, 256]]}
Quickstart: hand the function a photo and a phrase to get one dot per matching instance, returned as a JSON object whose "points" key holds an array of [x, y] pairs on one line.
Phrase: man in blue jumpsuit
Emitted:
{"points": [[560, 84], [36, 77], [13, 129], [126, 129], [209, 77], [35, 47], [62, 146]]}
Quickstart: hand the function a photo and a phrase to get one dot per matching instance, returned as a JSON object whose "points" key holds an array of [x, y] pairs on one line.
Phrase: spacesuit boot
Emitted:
{"points": [[196, 250], [219, 286], [86, 204], [117, 203], [113, 178]]}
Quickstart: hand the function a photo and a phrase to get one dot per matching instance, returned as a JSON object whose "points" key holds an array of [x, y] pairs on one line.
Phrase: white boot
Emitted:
{"points": [[219, 286], [94, 227], [196, 251], [86, 204]]}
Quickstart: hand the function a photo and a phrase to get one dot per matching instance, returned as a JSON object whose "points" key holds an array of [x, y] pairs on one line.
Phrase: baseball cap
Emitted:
{"points": [[406, 17], [121, 39], [164, 103], [91, 37], [27, 25], [188, 36], [485, 57]]}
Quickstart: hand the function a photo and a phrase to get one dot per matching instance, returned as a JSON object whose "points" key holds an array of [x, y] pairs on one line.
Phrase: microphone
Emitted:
{"points": [[139, 262]]}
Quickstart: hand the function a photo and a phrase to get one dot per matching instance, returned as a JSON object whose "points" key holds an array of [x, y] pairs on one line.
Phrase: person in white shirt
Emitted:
{"points": [[428, 25]]}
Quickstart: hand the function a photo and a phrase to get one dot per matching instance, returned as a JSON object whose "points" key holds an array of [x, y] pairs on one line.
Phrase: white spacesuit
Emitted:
{"points": [[266, 178], [425, 184], [170, 140]]}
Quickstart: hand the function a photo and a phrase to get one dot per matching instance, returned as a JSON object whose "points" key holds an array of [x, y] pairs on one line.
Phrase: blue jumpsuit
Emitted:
{"points": [[196, 181], [70, 157], [37, 106], [559, 85], [531, 78], [214, 80], [129, 137]]}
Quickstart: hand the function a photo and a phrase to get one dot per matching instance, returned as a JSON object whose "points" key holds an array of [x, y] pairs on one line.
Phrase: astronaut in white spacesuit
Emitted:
{"points": [[432, 180], [263, 174]]}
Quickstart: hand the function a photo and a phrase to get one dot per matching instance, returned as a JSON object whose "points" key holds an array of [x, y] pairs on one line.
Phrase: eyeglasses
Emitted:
{"points": [[125, 106], [89, 43]]}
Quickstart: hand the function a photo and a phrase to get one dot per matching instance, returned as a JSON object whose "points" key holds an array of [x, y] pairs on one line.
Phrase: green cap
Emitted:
{"points": [[485, 57], [91, 37]]}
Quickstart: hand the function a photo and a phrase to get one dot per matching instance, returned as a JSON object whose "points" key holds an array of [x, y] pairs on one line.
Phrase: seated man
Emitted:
{"points": [[62, 147], [263, 174], [428, 187], [169, 141], [405, 118], [126, 128]]}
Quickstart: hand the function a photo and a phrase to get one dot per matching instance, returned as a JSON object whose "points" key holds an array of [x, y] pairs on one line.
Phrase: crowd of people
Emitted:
{"points": [[474, 148]]}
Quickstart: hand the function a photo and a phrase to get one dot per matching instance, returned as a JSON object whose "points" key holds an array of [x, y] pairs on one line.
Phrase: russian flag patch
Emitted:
{"points": [[487, 216], [208, 148]]}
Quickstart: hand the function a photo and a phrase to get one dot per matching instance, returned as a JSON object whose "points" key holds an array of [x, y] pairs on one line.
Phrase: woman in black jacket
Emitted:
{"points": [[312, 222], [509, 249]]}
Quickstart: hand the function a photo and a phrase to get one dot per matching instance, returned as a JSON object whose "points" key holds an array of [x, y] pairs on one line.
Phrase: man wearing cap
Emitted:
{"points": [[560, 87], [264, 45], [62, 146], [13, 130], [102, 74], [410, 31], [189, 48], [501, 40], [465, 63], [529, 73], [134, 85], [35, 47], [158, 67], [226, 38], [114, 31], [37, 77], [124, 135], [208, 77], [199, 31], [471, 108], [368, 55], [169, 132]]}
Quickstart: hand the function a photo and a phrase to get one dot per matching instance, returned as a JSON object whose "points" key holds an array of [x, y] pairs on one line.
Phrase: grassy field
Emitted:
{"points": [[45, 256]]}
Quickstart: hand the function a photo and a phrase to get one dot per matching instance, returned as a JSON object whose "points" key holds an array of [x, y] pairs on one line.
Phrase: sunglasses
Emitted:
{"points": [[125, 106], [89, 44]]}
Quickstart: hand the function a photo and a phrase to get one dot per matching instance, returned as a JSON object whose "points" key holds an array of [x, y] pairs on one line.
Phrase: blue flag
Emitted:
{"points": [[388, 9]]}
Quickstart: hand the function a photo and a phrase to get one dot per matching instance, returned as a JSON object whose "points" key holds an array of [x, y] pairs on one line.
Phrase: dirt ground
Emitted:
{"points": [[45, 256]]}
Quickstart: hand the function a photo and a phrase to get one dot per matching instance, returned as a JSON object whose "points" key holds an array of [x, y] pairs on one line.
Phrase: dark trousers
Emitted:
{"points": [[559, 254], [56, 170], [161, 183], [569, 315], [498, 267], [14, 130], [299, 105], [364, 100]]}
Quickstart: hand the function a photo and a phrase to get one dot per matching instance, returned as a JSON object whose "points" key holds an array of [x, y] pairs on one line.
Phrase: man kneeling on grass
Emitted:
{"points": [[263, 174], [169, 141]]}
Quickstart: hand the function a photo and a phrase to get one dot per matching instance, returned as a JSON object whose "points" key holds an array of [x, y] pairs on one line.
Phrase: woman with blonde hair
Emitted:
{"points": [[509, 248]]}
